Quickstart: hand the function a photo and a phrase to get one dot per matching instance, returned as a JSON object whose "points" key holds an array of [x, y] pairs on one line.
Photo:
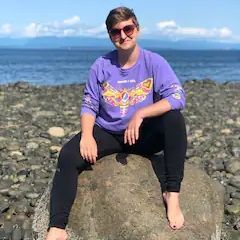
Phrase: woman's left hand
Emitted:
{"points": [[131, 134]]}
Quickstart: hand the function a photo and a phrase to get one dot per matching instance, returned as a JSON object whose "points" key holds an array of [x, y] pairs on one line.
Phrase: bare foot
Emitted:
{"points": [[174, 213], [56, 234]]}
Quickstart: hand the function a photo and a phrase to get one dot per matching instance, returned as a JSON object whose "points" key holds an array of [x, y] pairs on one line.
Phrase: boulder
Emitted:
{"points": [[122, 200]]}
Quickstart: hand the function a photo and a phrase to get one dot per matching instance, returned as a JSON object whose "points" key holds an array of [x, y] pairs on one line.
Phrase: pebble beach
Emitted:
{"points": [[35, 121]]}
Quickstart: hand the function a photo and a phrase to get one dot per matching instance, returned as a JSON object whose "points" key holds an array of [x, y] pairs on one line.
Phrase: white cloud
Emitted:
{"points": [[69, 32], [72, 21], [97, 31], [68, 27], [73, 26], [167, 24], [225, 32], [171, 29], [6, 29], [31, 30]]}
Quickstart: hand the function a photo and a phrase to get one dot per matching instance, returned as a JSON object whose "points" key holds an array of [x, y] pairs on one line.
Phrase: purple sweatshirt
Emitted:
{"points": [[113, 94]]}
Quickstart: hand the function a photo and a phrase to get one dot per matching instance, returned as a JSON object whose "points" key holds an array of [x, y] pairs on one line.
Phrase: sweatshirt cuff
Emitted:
{"points": [[87, 110], [176, 100]]}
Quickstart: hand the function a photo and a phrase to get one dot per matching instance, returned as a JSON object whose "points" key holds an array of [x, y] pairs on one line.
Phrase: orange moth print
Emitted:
{"points": [[124, 98]]}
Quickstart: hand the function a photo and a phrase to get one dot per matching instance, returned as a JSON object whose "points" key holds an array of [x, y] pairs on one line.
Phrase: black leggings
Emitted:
{"points": [[166, 132]]}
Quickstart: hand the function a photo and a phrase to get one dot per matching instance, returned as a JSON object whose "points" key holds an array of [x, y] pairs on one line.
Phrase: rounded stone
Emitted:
{"points": [[123, 201], [238, 121], [55, 149], [32, 195], [36, 167], [4, 206], [234, 235], [237, 224], [233, 209], [230, 121], [21, 208], [235, 181], [56, 132], [236, 152], [216, 164], [32, 145], [17, 153], [235, 195], [233, 166], [15, 194], [45, 114], [226, 131], [13, 146]]}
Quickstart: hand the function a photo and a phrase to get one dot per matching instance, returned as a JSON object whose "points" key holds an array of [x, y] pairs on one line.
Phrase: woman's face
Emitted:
{"points": [[124, 35]]}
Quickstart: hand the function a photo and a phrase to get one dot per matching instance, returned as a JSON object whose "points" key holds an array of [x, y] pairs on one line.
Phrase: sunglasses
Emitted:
{"points": [[115, 33]]}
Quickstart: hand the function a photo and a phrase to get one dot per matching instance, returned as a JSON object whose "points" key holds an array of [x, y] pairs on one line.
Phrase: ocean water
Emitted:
{"points": [[67, 66]]}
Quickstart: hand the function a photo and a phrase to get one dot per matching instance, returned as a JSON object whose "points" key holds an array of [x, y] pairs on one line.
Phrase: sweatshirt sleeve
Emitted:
{"points": [[167, 86], [90, 101]]}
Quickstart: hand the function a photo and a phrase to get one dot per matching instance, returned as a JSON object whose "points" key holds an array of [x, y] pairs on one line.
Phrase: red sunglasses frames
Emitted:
{"points": [[115, 33]]}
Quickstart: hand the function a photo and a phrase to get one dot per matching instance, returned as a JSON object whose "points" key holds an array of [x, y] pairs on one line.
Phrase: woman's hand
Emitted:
{"points": [[88, 148], [131, 134]]}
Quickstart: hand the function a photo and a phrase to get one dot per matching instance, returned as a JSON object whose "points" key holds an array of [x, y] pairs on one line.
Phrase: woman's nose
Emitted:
{"points": [[123, 35]]}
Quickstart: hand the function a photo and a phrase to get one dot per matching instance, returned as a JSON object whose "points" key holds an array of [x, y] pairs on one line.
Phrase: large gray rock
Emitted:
{"points": [[124, 201]]}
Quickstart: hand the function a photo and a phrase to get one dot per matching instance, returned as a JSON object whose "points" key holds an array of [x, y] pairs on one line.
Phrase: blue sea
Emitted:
{"points": [[67, 66]]}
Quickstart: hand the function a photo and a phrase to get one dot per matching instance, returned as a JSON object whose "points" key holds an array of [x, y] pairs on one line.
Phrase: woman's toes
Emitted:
{"points": [[173, 225], [177, 223]]}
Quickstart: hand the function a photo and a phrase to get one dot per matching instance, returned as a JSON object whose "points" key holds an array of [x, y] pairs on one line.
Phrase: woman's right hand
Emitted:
{"points": [[88, 148]]}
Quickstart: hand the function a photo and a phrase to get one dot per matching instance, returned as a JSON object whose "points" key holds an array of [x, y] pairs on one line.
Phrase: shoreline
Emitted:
{"points": [[28, 151], [29, 84]]}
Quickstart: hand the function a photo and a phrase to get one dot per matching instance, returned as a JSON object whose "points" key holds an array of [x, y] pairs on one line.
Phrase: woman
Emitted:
{"points": [[131, 103]]}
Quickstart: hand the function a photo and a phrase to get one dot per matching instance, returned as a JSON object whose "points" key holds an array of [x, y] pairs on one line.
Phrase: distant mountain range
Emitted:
{"points": [[87, 42]]}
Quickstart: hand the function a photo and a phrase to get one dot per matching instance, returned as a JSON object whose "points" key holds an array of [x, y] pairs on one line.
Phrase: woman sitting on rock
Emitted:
{"points": [[131, 103]]}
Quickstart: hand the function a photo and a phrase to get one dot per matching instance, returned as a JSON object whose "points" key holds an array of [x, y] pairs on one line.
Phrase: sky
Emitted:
{"points": [[172, 19]]}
